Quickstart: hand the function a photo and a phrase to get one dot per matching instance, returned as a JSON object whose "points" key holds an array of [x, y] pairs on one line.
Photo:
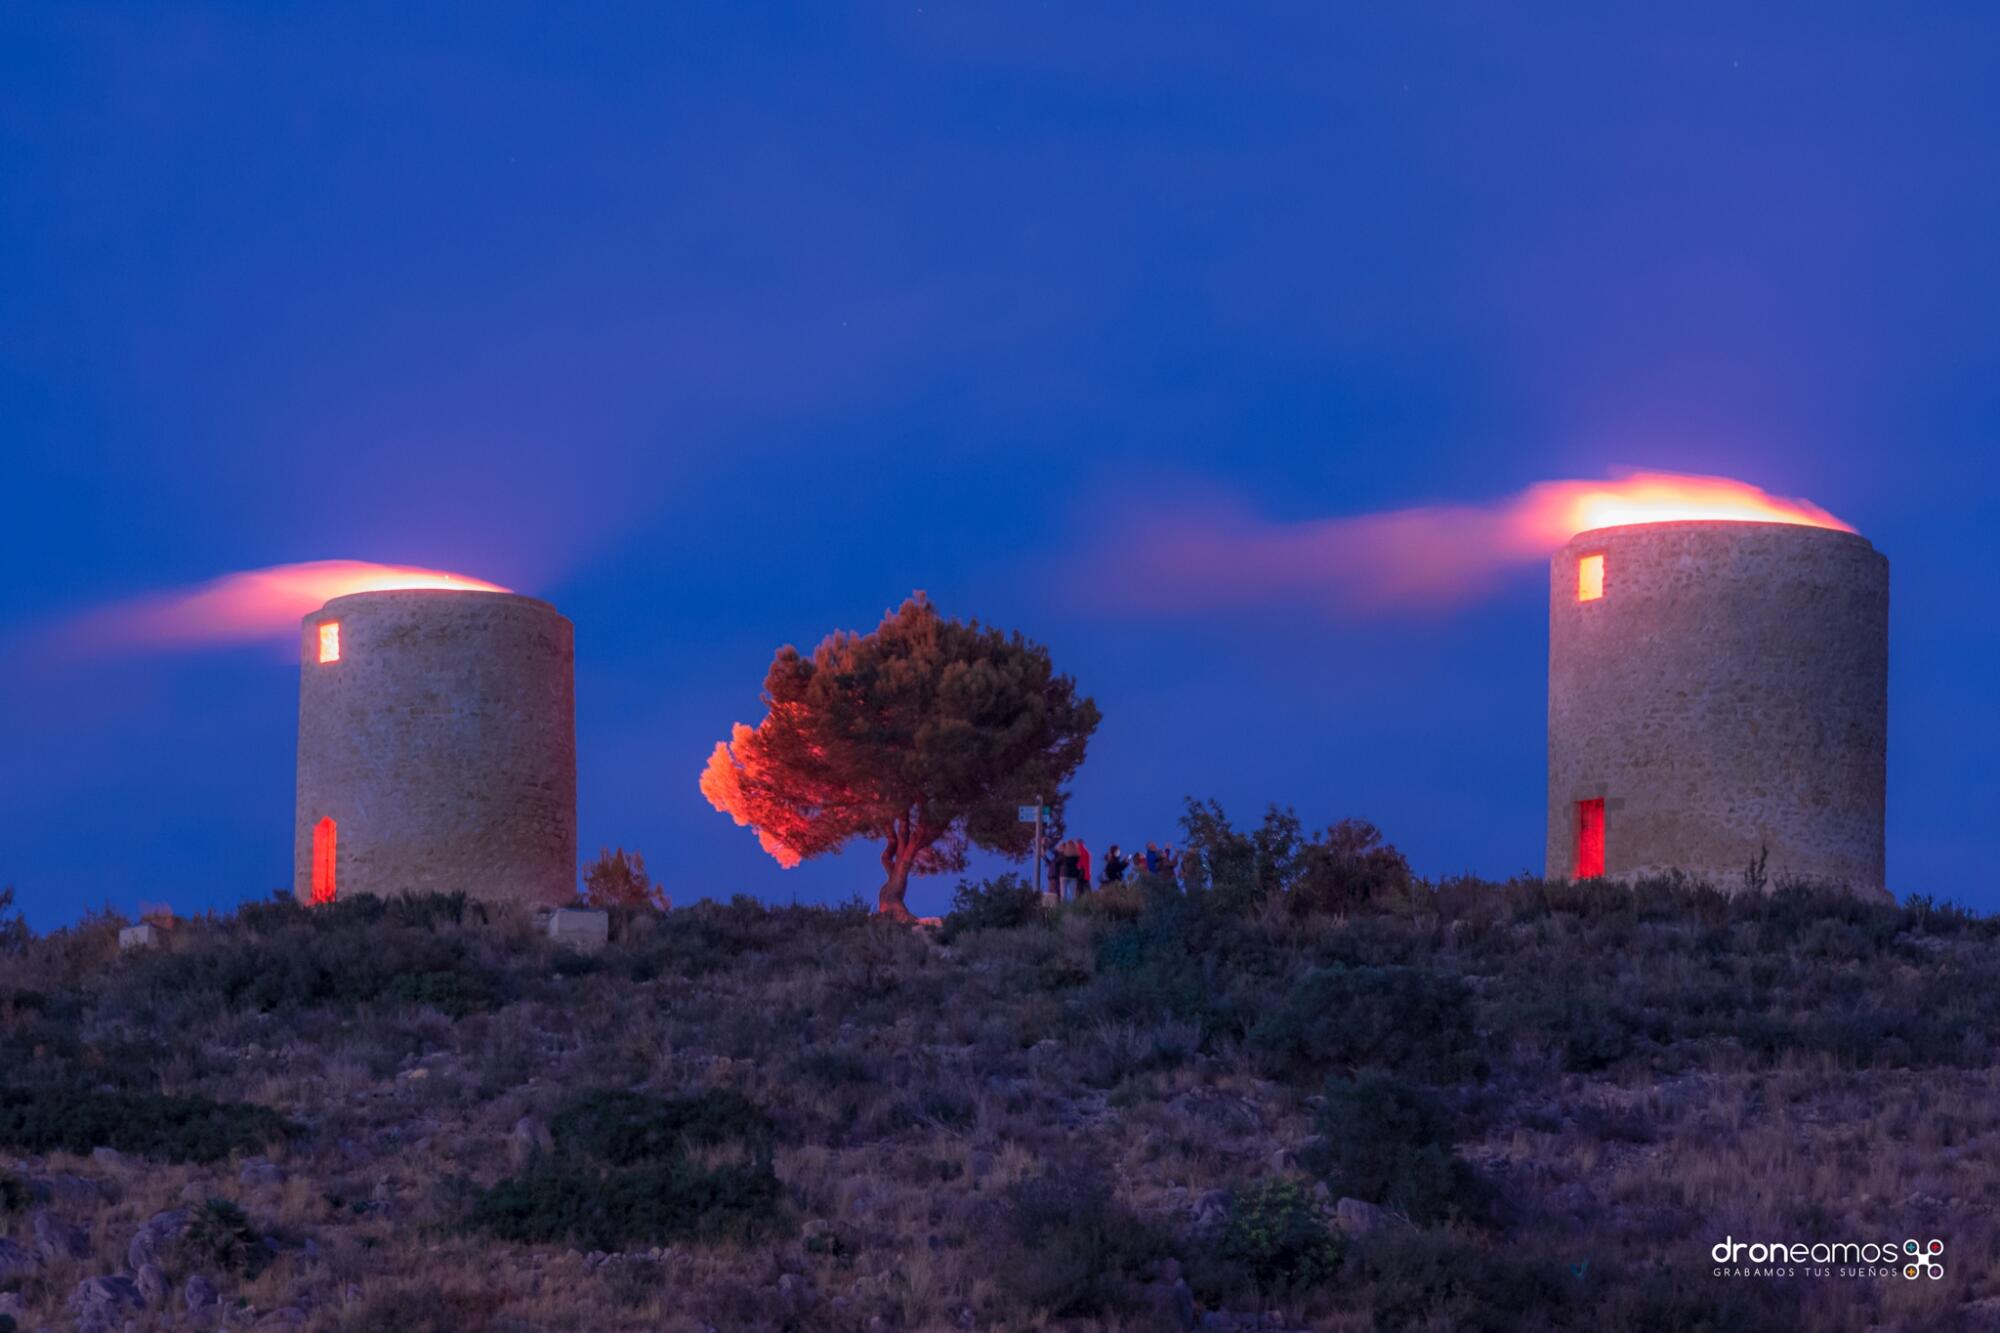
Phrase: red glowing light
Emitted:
{"points": [[324, 836], [329, 641], [1590, 578], [1590, 838]]}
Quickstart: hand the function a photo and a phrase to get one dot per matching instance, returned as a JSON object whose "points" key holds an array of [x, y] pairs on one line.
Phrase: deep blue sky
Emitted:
{"points": [[727, 327]]}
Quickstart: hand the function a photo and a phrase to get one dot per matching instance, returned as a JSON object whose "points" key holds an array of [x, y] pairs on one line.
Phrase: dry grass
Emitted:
{"points": [[916, 1089]]}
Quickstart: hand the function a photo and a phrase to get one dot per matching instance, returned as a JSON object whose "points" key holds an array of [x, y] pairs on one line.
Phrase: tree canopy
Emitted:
{"points": [[619, 879], [925, 735]]}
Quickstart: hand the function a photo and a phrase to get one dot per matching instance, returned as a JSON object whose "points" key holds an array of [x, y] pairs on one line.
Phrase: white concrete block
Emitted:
{"points": [[584, 929]]}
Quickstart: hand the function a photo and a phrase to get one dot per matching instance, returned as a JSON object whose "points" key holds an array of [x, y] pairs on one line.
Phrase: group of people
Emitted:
{"points": [[1069, 865]]}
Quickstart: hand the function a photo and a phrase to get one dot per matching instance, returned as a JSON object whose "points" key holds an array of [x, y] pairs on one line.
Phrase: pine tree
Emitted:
{"points": [[926, 735]]}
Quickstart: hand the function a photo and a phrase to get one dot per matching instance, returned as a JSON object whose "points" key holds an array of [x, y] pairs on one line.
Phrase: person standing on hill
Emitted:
{"points": [[1152, 858], [1082, 867], [1114, 865], [1066, 870]]}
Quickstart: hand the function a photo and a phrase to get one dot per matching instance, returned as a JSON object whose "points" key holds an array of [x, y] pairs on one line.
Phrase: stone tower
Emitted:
{"points": [[1718, 691], [437, 747]]}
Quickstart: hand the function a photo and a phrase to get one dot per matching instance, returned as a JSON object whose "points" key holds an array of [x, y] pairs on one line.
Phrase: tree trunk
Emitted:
{"points": [[890, 902], [899, 852]]}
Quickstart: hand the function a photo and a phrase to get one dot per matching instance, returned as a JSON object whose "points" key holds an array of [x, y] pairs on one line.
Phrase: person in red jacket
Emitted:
{"points": [[1082, 867]]}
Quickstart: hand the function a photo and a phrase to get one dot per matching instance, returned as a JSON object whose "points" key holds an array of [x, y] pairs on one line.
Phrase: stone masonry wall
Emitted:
{"points": [[1727, 693], [443, 745]]}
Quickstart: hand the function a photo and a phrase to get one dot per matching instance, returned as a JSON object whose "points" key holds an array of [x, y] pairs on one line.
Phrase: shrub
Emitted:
{"points": [[628, 1128], [1180, 959], [1590, 1030], [708, 936], [1409, 1019], [1435, 1279], [835, 1068], [1275, 1240], [1343, 869], [1388, 1142], [281, 957], [1069, 1249], [1692, 1301], [1003, 903], [174, 1129], [1122, 900], [633, 1279], [219, 1236], [1243, 868], [619, 879], [593, 1208], [455, 993], [14, 932], [1347, 868], [15, 1196]]}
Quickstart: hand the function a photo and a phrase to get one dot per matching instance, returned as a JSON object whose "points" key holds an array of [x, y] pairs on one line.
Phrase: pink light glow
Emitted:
{"points": [[255, 604], [1435, 555]]}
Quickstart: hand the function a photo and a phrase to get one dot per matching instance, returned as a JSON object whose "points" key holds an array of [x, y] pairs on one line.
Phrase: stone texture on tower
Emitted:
{"points": [[437, 747], [1722, 688]]}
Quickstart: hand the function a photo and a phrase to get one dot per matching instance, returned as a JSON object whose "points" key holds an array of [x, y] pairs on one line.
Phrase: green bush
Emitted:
{"points": [[1347, 868], [1276, 1241], [1439, 1279], [1243, 868], [455, 993], [15, 1196], [836, 1068], [991, 904], [1182, 958], [628, 1128], [1069, 1249], [173, 1129], [707, 936], [14, 933], [280, 957], [219, 1236], [593, 1208], [1389, 1142], [1691, 1300], [1413, 1020], [1590, 1030]]}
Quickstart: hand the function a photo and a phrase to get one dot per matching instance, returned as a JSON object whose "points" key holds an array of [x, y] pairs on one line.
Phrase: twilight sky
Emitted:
{"points": [[727, 326]]}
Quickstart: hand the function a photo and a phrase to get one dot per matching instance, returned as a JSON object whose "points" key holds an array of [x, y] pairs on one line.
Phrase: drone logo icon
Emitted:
{"points": [[1921, 1260]]}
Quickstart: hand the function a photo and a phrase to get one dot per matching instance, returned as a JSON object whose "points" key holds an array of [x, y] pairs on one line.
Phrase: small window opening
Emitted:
{"points": [[329, 641], [1590, 578], [324, 834], [1590, 838]]}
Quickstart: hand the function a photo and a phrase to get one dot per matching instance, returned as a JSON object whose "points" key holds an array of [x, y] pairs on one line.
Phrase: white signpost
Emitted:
{"points": [[1034, 814]]}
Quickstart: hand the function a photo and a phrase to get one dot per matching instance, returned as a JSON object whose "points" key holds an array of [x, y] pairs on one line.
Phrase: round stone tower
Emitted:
{"points": [[437, 747], [1718, 699]]}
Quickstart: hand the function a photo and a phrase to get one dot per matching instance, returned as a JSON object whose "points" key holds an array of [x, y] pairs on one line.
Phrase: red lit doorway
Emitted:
{"points": [[1590, 838], [324, 834]]}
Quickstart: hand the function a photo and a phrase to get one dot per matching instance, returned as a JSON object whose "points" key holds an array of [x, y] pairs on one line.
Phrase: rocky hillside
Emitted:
{"points": [[1317, 1094]]}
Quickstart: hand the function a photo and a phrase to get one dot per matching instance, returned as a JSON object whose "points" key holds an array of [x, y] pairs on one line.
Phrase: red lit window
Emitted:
{"points": [[1590, 838], [329, 641], [1590, 578], [323, 859]]}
